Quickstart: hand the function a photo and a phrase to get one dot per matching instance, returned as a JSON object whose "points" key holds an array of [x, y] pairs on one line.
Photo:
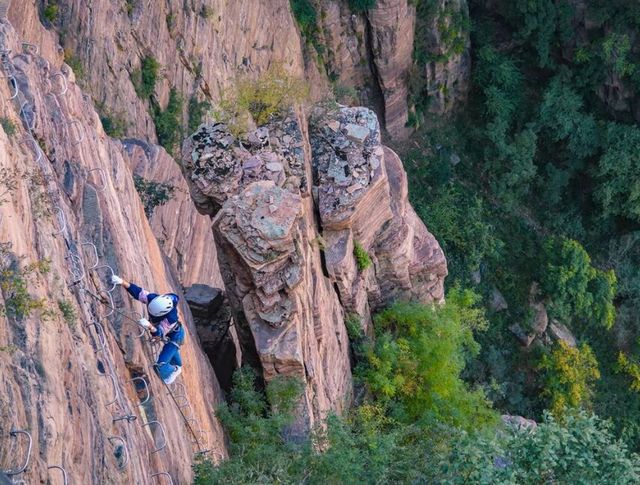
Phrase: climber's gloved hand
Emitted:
{"points": [[144, 323], [116, 280]]}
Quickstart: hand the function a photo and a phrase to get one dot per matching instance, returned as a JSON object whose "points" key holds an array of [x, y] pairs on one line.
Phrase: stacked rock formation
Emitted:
{"points": [[287, 209]]}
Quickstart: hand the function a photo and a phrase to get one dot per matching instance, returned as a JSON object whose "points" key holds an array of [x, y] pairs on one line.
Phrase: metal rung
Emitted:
{"points": [[95, 252], [64, 473], [124, 446], [164, 436], [115, 388], [14, 434], [102, 338], [65, 86], [112, 274], [103, 178], [165, 474], [62, 221], [146, 388], [26, 47], [80, 130]]}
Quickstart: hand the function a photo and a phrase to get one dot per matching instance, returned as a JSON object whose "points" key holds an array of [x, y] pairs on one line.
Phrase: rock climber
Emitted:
{"points": [[164, 324]]}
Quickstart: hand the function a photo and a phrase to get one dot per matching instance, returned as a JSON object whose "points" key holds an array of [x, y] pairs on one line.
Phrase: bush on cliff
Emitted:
{"points": [[257, 100], [419, 353]]}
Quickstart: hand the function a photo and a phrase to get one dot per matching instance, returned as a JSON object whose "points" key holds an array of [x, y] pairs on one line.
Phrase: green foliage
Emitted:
{"points": [[206, 12], [358, 6], [260, 99], [363, 260], [631, 368], [618, 173], [168, 122], [68, 313], [8, 126], [420, 351], [51, 12], [569, 377], [144, 79], [354, 327], [74, 63], [577, 289], [152, 194], [15, 282], [114, 125], [581, 449], [197, 110]]}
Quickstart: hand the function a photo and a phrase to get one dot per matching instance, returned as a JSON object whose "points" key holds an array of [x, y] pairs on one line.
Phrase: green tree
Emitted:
{"points": [[580, 450], [569, 377], [618, 172], [414, 366], [574, 287]]}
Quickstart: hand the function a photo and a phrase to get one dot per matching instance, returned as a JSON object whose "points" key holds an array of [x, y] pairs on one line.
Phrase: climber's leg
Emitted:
{"points": [[165, 365]]}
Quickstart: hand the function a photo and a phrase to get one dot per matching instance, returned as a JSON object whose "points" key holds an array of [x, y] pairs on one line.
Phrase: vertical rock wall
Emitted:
{"points": [[66, 360]]}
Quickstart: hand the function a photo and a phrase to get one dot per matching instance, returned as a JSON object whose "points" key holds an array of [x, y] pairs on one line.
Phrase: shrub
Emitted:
{"points": [[74, 63], [363, 260], [569, 376], [15, 283], [152, 194], [144, 79], [51, 12], [206, 12], [8, 126], [113, 125], [68, 312], [414, 366], [197, 110], [271, 94], [168, 123], [353, 324]]}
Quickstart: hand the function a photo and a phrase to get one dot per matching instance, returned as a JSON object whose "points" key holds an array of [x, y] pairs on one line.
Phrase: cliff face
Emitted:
{"points": [[289, 201], [66, 360]]}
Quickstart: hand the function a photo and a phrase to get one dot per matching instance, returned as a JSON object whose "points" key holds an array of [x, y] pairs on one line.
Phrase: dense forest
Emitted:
{"points": [[533, 190]]}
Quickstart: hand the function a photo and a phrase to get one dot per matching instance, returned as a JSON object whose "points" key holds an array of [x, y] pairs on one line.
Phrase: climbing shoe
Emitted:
{"points": [[172, 377]]}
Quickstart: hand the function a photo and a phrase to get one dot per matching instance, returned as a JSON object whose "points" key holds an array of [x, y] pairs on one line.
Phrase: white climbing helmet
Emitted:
{"points": [[160, 305]]}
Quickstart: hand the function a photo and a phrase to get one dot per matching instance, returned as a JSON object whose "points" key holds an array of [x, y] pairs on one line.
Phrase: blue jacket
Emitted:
{"points": [[167, 325]]}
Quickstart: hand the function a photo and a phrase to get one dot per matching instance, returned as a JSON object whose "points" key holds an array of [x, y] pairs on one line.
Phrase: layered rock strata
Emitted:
{"points": [[286, 215], [69, 215]]}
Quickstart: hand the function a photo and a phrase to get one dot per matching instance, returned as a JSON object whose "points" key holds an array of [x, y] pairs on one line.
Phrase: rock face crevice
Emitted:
{"points": [[288, 203]]}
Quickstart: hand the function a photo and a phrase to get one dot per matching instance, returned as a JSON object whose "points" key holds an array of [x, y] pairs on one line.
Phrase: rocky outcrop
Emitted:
{"points": [[288, 317], [361, 191], [66, 360], [287, 210]]}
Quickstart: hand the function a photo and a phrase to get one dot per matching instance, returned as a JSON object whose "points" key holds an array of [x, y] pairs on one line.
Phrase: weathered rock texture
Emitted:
{"points": [[286, 213], [76, 182], [361, 191], [184, 234]]}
